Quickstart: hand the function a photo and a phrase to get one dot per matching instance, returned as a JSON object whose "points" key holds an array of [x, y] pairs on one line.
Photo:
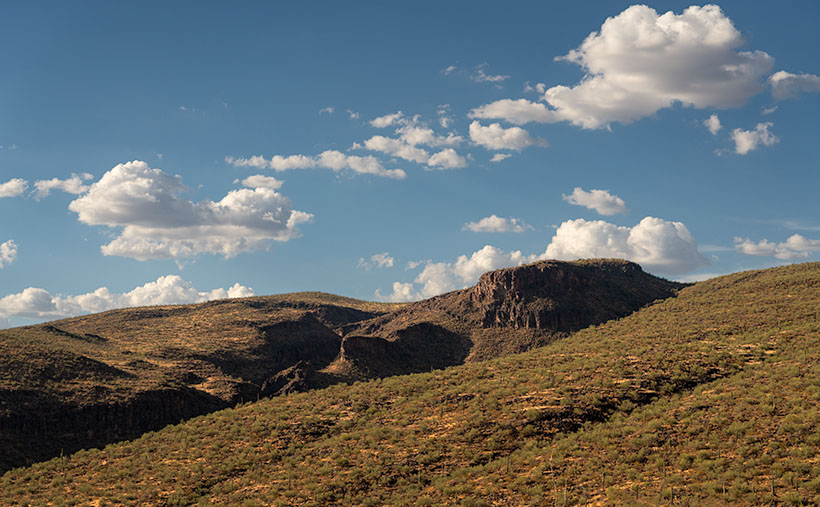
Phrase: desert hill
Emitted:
{"points": [[87, 381], [708, 398]]}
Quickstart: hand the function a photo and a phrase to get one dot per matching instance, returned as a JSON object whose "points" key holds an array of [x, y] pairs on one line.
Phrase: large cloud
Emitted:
{"points": [[658, 245], [795, 247], [496, 137], [8, 253], [640, 62], [159, 224], [13, 187], [599, 200], [166, 290]]}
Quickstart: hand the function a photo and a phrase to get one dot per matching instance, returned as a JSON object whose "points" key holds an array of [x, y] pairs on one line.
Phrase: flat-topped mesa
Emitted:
{"points": [[565, 296]]}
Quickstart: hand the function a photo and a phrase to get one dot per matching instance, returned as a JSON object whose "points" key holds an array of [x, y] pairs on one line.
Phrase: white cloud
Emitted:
{"points": [[166, 290], [495, 223], [480, 76], [447, 158], [397, 148], [713, 124], [261, 181], [749, 140], [440, 277], [157, 223], [659, 246], [495, 137], [519, 112], [538, 88], [795, 247], [327, 110], [447, 70], [330, 159], [13, 187], [498, 157], [769, 110], [599, 200], [8, 253], [387, 120], [786, 85], [640, 62], [379, 260], [73, 185], [353, 115]]}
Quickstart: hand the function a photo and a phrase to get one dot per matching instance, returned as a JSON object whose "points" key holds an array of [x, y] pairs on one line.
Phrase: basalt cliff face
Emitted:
{"points": [[91, 380]]}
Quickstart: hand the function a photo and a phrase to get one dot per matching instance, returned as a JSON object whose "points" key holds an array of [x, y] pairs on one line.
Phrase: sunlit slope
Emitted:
{"points": [[711, 397]]}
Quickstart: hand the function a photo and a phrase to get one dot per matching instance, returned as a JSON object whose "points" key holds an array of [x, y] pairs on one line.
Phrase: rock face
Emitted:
{"points": [[564, 297]]}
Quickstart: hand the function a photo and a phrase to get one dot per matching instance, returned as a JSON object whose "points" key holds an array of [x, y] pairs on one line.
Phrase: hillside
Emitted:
{"points": [[708, 398], [91, 380]]}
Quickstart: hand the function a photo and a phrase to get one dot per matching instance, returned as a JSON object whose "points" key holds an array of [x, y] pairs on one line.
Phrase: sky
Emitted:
{"points": [[177, 152]]}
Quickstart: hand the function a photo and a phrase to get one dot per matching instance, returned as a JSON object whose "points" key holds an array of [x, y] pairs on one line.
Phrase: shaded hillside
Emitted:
{"points": [[709, 398], [91, 380], [95, 379]]}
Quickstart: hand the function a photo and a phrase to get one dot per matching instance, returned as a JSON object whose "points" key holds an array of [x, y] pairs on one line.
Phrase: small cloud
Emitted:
{"points": [[599, 200], [769, 110], [498, 157], [160, 155], [379, 260], [73, 185], [387, 120], [713, 124], [8, 253], [538, 88], [495, 137], [495, 223], [449, 70], [413, 264], [480, 76], [749, 140], [327, 110], [795, 247], [786, 85], [13, 187], [353, 115]]}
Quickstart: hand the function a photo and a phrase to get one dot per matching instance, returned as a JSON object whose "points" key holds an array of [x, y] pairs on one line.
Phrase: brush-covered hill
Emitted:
{"points": [[91, 380], [708, 398]]}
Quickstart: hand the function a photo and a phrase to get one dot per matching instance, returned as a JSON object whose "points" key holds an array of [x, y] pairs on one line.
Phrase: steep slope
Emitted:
{"points": [[709, 398], [507, 311]]}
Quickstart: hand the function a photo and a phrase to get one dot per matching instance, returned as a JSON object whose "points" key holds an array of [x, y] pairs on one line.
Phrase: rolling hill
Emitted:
{"points": [[711, 397], [88, 381]]}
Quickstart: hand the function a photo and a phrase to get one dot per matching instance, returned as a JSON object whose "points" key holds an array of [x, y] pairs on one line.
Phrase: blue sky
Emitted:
{"points": [[158, 152]]}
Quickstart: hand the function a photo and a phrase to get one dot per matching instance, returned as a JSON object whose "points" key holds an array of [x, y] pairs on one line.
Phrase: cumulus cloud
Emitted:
{"points": [[411, 135], [495, 223], [786, 85], [8, 253], [13, 187], [795, 247], [73, 185], [498, 157], [599, 200], [539, 88], [379, 260], [166, 290], [330, 159], [658, 245], [519, 112], [157, 223], [496, 137], [387, 120], [440, 277], [640, 62], [749, 140], [261, 181], [713, 124]]}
